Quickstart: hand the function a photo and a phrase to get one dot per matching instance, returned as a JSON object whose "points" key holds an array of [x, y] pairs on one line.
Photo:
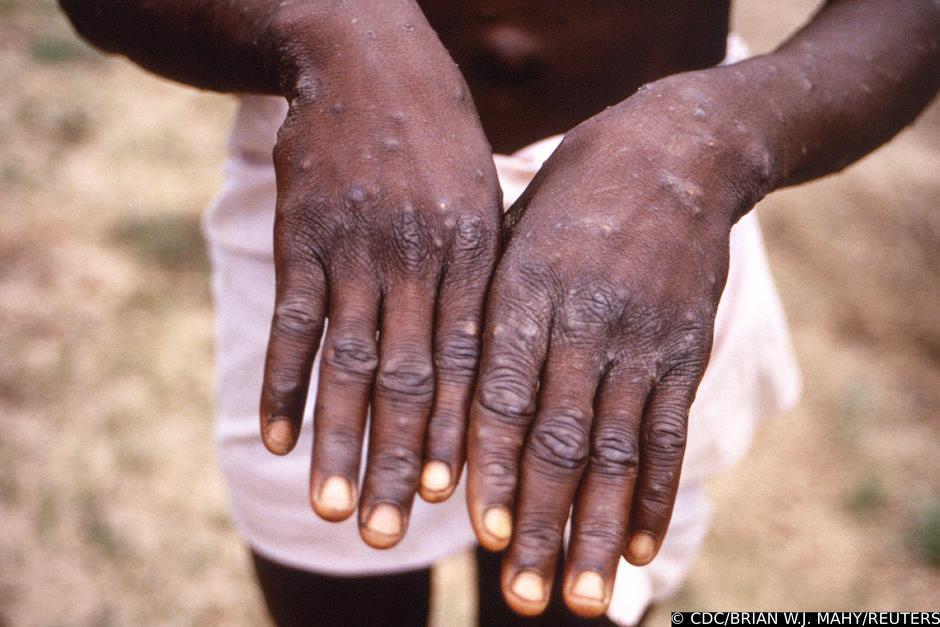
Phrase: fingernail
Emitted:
{"points": [[279, 436], [498, 522], [336, 494], [385, 519], [589, 585], [642, 547], [529, 586], [436, 476]]}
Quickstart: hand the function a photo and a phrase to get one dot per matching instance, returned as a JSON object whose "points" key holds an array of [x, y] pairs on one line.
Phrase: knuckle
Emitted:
{"points": [[399, 462], [472, 237], [615, 452], [530, 276], [340, 438], [592, 305], [447, 420], [283, 390], [561, 439], [506, 393], [352, 356], [499, 466], [302, 229], [294, 317], [536, 534], [445, 426], [499, 473], [642, 323], [666, 436], [602, 533], [655, 501], [691, 343], [406, 376], [410, 241], [457, 355]]}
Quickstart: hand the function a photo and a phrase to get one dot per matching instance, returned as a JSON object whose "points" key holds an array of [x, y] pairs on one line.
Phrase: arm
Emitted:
{"points": [[843, 85], [248, 46], [601, 312], [386, 220]]}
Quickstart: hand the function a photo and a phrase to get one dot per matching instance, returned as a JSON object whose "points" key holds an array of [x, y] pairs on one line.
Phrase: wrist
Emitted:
{"points": [[310, 40], [711, 153], [730, 108]]}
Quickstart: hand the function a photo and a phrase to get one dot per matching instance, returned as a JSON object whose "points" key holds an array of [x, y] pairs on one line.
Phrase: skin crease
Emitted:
{"points": [[599, 314]]}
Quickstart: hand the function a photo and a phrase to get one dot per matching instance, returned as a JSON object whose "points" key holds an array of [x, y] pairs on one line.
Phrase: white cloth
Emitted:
{"points": [[752, 374]]}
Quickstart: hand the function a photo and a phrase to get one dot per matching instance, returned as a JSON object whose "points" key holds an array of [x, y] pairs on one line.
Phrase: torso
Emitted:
{"points": [[539, 68]]}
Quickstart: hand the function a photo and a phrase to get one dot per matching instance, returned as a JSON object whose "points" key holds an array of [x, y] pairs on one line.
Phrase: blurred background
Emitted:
{"points": [[112, 510]]}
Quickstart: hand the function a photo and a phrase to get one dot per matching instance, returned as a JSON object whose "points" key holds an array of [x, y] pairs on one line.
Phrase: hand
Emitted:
{"points": [[599, 328], [387, 222]]}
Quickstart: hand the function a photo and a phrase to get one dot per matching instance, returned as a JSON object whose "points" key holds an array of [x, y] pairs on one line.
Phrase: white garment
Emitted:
{"points": [[752, 374]]}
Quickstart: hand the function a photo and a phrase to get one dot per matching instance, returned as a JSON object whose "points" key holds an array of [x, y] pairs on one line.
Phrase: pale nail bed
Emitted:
{"points": [[436, 476], [589, 585], [336, 493], [529, 586], [498, 523], [385, 519]]}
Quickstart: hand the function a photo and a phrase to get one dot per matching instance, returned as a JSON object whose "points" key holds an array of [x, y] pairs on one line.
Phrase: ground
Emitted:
{"points": [[113, 511]]}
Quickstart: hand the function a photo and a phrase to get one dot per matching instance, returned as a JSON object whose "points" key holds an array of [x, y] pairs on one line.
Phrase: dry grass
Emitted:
{"points": [[112, 510]]}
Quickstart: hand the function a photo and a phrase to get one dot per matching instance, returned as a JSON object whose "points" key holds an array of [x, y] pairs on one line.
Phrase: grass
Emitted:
{"points": [[925, 535], [171, 242]]}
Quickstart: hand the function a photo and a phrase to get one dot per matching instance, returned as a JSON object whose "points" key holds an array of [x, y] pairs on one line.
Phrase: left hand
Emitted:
{"points": [[599, 328]]}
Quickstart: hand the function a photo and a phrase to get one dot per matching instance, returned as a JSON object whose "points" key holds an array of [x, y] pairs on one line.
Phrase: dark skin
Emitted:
{"points": [[600, 310]]}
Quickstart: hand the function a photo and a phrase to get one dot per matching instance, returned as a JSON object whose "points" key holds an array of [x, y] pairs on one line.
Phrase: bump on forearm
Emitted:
{"points": [[859, 73]]}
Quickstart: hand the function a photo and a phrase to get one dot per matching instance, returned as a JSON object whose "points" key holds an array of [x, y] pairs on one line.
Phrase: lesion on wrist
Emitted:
{"points": [[707, 132], [307, 38]]}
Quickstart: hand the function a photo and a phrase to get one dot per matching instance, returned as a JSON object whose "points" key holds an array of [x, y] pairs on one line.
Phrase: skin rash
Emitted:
{"points": [[599, 286]]}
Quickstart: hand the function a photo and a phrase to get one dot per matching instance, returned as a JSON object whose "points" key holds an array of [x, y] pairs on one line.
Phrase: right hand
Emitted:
{"points": [[388, 211]]}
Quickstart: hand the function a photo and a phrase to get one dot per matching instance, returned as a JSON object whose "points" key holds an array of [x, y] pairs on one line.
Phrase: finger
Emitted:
{"points": [[296, 327], [602, 507], [456, 352], [347, 371], [514, 346], [662, 446], [555, 455], [404, 389]]}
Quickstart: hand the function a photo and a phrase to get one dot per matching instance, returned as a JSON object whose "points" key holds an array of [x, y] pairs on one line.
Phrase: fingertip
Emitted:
{"points": [[527, 594], [588, 595], [384, 527], [335, 501], [496, 528], [437, 482], [641, 548], [279, 436]]}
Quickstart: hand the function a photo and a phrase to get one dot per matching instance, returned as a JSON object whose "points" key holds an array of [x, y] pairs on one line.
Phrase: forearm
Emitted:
{"points": [[257, 46], [840, 87]]}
